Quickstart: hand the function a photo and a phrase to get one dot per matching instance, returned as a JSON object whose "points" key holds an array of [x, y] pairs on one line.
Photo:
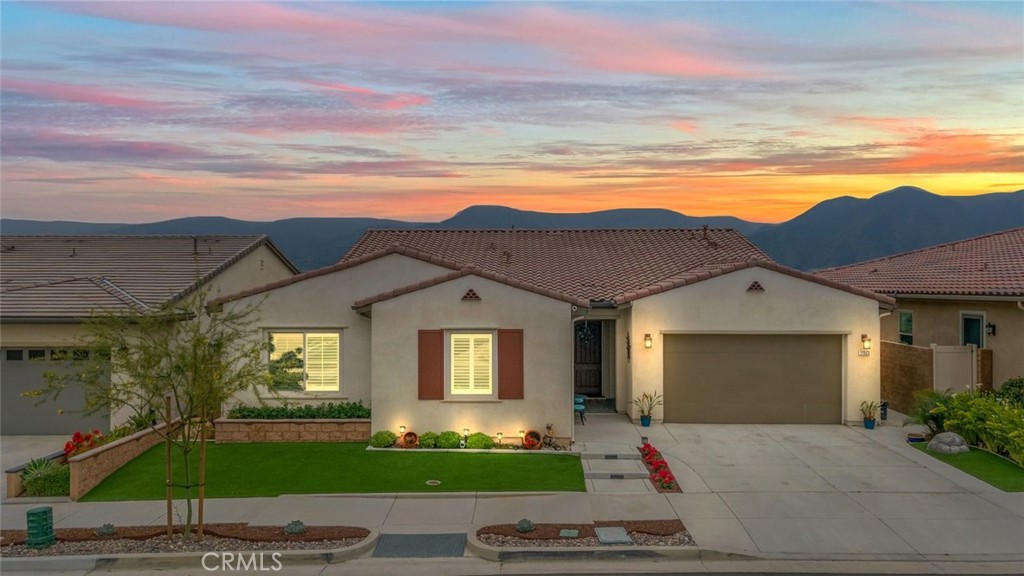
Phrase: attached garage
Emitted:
{"points": [[753, 378], [21, 370]]}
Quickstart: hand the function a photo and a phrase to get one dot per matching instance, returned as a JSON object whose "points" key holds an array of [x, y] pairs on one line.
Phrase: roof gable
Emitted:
{"points": [[74, 276], [587, 265], [988, 266]]}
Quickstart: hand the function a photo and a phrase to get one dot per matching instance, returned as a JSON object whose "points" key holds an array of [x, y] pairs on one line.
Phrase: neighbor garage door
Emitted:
{"points": [[21, 370], [753, 379]]}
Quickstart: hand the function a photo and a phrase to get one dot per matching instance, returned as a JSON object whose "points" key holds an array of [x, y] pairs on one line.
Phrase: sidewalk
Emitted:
{"points": [[842, 495]]}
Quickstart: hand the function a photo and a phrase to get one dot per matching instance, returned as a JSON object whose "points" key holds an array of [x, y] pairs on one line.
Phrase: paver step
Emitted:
{"points": [[604, 475], [615, 456]]}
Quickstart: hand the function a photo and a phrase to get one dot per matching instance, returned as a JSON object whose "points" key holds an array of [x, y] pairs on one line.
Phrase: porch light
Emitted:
{"points": [[648, 341], [401, 429], [990, 329], [865, 341]]}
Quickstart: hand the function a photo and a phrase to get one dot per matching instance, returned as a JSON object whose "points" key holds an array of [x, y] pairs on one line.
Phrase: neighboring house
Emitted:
{"points": [[495, 330], [49, 285], [966, 292]]}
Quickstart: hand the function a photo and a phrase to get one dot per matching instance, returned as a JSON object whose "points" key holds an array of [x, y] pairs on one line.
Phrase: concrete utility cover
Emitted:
{"points": [[420, 546], [613, 535], [567, 533]]}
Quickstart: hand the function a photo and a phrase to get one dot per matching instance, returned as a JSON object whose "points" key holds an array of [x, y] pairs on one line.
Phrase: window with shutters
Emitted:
{"points": [[471, 364], [309, 361]]}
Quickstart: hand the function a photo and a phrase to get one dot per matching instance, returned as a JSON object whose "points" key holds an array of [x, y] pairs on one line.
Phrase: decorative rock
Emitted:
{"points": [[948, 443], [613, 535], [567, 533]]}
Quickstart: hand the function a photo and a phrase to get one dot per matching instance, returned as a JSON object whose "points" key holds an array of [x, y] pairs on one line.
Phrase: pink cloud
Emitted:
{"points": [[687, 126], [368, 98], [77, 93]]}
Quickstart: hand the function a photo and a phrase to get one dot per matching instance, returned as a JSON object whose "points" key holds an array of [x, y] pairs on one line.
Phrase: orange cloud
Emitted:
{"points": [[366, 97], [76, 93]]}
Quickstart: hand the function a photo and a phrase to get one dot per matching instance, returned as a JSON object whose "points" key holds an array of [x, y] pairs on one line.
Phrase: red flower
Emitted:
{"points": [[96, 432], [68, 448], [76, 437]]}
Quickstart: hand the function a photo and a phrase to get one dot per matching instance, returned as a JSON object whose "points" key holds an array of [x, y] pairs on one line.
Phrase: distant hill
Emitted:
{"points": [[847, 230], [834, 232]]}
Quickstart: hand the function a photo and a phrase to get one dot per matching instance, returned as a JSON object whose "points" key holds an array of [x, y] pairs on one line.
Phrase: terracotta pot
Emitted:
{"points": [[534, 435], [410, 439]]}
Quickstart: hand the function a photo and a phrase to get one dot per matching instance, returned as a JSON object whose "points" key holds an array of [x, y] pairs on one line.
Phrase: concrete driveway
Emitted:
{"points": [[832, 490]]}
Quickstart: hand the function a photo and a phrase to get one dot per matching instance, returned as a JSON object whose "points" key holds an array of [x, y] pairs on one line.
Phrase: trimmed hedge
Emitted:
{"points": [[479, 441], [329, 411], [383, 439], [428, 440], [448, 439]]}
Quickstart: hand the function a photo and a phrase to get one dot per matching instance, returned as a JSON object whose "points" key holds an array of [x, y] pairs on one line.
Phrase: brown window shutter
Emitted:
{"points": [[431, 354], [510, 364]]}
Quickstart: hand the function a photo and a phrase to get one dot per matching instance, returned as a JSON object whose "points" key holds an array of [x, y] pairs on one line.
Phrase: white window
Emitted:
{"points": [[309, 361], [471, 364]]}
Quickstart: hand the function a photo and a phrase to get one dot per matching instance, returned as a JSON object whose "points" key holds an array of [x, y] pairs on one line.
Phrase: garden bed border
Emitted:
{"points": [[90, 468], [240, 430]]}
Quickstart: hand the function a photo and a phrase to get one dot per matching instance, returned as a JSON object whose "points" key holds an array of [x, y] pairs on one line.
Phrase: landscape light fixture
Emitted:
{"points": [[865, 341], [522, 434], [648, 341], [500, 436], [990, 329], [401, 429], [465, 432]]}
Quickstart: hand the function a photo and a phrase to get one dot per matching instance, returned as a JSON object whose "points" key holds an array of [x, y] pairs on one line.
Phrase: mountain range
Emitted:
{"points": [[835, 232]]}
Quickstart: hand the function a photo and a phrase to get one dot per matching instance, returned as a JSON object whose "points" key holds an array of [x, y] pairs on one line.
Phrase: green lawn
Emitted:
{"points": [[990, 468], [245, 470]]}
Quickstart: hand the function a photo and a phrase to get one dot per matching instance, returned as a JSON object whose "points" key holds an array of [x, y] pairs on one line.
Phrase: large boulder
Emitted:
{"points": [[948, 443]]}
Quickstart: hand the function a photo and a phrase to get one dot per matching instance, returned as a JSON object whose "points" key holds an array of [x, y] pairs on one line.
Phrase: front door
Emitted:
{"points": [[587, 354]]}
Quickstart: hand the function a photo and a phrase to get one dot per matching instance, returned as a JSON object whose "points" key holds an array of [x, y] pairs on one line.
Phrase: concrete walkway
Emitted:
{"points": [[781, 493]]}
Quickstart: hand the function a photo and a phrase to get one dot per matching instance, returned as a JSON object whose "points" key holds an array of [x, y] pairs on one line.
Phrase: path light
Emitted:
{"points": [[522, 434], [648, 341], [401, 429], [500, 436], [465, 432], [865, 341]]}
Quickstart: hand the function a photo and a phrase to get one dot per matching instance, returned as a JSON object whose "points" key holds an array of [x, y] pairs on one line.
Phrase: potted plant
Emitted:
{"points": [[532, 440], [646, 403], [868, 410]]}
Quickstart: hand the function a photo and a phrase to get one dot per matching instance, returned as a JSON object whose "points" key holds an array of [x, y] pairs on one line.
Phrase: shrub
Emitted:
{"points": [[383, 439], [525, 525], [428, 440], [342, 411], [295, 527], [479, 441], [37, 466], [923, 411], [54, 481], [1012, 391], [448, 439], [982, 419], [106, 531]]}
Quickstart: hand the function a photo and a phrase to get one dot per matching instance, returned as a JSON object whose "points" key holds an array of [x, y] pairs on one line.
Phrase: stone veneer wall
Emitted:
{"points": [[905, 370], [231, 430], [90, 468]]}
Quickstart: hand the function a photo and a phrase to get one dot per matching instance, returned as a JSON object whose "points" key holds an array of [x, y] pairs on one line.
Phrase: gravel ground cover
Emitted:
{"points": [[154, 539], [643, 533]]}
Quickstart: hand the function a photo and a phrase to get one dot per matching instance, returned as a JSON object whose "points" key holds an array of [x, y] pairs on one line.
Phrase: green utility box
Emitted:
{"points": [[40, 528]]}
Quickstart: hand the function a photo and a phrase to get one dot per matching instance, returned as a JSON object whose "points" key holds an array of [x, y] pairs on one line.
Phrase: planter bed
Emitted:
{"points": [[154, 539], [229, 430], [643, 533], [13, 475]]}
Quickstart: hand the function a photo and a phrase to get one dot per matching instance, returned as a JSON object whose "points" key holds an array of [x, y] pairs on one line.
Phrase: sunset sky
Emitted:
{"points": [[145, 111]]}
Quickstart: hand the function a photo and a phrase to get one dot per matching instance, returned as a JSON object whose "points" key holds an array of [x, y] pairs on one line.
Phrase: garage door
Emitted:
{"points": [[21, 370], [753, 379]]}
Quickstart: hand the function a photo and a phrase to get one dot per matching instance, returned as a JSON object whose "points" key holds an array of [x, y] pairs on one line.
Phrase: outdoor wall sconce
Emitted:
{"points": [[401, 429], [865, 341], [648, 341], [990, 329]]}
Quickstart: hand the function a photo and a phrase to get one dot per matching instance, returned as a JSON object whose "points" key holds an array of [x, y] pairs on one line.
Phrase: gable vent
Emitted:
{"points": [[755, 287], [470, 295]]}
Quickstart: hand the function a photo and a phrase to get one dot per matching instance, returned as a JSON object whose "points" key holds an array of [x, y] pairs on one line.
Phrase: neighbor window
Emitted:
{"points": [[37, 354], [309, 361], [471, 363], [15, 355], [907, 327]]}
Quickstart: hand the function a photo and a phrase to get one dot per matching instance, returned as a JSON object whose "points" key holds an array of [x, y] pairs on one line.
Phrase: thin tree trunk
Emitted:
{"points": [[202, 474], [170, 490]]}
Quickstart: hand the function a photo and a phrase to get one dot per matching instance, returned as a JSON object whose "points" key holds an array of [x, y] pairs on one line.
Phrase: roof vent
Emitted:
{"points": [[471, 295], [8, 247], [755, 286]]}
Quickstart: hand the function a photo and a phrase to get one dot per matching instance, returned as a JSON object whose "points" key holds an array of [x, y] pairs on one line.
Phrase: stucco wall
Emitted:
{"points": [[938, 322], [325, 302], [787, 305], [259, 267], [547, 357]]}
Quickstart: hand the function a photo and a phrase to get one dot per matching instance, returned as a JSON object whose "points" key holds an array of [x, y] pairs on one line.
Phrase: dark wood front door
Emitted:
{"points": [[587, 353]]}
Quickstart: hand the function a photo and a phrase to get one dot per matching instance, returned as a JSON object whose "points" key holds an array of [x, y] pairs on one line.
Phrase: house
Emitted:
{"points": [[496, 330], [52, 284], [955, 294]]}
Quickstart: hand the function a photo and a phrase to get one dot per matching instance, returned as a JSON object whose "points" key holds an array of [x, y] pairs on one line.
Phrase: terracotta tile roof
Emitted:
{"points": [[71, 277], [584, 265], [469, 270], [990, 265], [709, 271]]}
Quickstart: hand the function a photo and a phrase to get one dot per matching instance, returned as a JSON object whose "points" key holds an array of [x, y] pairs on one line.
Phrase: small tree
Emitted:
{"points": [[198, 357]]}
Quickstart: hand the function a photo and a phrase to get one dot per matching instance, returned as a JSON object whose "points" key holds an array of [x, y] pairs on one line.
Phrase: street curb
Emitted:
{"points": [[179, 559], [513, 554]]}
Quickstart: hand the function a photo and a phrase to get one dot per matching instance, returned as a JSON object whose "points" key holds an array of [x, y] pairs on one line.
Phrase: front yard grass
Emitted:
{"points": [[984, 466], [250, 470]]}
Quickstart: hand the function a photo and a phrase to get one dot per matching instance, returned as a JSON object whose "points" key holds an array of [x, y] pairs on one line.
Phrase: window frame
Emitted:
{"points": [[899, 328], [449, 393], [339, 332], [982, 319]]}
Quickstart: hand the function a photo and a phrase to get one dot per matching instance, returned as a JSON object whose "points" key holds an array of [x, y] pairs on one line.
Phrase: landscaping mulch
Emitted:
{"points": [[154, 539], [643, 533]]}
